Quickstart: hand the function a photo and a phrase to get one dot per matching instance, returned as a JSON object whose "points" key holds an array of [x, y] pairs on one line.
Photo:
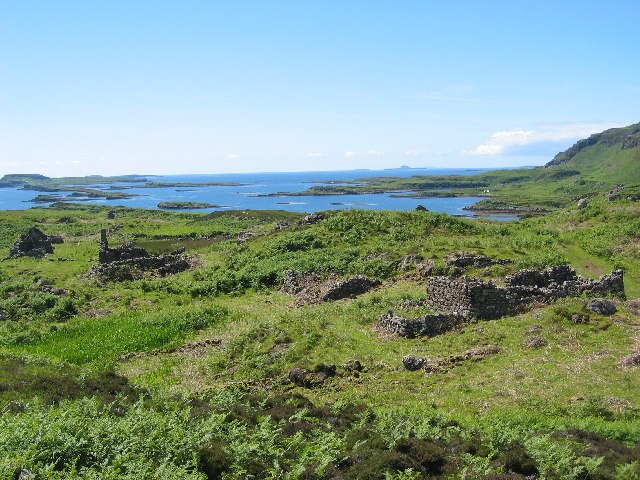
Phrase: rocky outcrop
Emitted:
{"points": [[34, 243], [310, 289], [631, 141], [427, 325]]}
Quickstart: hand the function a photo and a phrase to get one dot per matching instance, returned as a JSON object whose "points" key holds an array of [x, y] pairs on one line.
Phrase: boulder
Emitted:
{"points": [[602, 306], [534, 342], [582, 203], [311, 219], [412, 363], [311, 378]]}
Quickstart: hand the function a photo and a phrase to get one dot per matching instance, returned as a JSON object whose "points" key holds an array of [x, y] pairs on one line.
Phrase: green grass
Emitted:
{"points": [[102, 340]]}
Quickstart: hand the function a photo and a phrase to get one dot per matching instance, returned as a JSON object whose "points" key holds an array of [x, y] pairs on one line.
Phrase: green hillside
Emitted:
{"points": [[592, 166]]}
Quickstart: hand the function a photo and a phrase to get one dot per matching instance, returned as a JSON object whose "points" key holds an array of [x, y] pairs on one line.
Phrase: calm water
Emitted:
{"points": [[248, 196]]}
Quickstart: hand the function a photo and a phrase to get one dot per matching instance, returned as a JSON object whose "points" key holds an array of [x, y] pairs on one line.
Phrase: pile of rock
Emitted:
{"points": [[312, 378], [440, 365], [34, 243], [310, 289]]}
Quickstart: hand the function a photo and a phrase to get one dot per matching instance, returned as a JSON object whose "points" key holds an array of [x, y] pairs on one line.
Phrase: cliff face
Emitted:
{"points": [[627, 137]]}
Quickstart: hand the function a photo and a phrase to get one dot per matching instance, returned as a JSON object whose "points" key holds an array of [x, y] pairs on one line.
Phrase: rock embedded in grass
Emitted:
{"points": [[602, 306]]}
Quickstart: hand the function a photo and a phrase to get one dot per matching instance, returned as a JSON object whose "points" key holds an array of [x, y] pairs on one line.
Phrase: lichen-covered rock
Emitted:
{"points": [[412, 363], [425, 269], [580, 318], [534, 342], [602, 306], [34, 243], [311, 219], [582, 203], [409, 262]]}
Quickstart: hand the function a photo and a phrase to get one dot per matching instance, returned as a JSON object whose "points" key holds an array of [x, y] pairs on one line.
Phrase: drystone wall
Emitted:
{"points": [[427, 325], [460, 299], [467, 297], [470, 297]]}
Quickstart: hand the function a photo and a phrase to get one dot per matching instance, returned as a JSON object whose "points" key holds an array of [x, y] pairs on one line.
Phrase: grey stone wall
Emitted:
{"points": [[427, 325], [467, 297]]}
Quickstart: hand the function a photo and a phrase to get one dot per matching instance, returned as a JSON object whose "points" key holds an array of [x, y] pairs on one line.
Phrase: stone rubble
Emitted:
{"points": [[311, 289], [128, 262], [34, 243]]}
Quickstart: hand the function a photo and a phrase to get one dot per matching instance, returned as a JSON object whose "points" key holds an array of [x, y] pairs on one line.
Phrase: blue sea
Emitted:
{"points": [[249, 195]]}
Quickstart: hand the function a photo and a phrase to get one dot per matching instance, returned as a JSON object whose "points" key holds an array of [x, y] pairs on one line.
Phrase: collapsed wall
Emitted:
{"points": [[128, 262], [471, 297], [459, 299]]}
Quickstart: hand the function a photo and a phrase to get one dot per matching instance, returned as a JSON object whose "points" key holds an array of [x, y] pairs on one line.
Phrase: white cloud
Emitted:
{"points": [[314, 155], [233, 156], [14, 164], [369, 153], [501, 142], [414, 153]]}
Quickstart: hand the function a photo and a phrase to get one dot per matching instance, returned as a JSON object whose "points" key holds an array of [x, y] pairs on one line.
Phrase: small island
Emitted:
{"points": [[186, 205]]}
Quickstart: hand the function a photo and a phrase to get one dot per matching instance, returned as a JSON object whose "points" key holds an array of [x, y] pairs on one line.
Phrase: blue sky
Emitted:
{"points": [[116, 87]]}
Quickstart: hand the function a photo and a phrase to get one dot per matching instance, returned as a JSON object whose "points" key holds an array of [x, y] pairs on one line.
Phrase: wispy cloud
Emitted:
{"points": [[414, 153], [505, 141], [233, 156], [367, 153], [314, 155]]}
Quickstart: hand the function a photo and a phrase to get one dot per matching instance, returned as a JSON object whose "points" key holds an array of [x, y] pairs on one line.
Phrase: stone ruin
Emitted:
{"points": [[34, 244], [311, 288], [128, 262], [471, 297], [459, 300], [426, 326]]}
